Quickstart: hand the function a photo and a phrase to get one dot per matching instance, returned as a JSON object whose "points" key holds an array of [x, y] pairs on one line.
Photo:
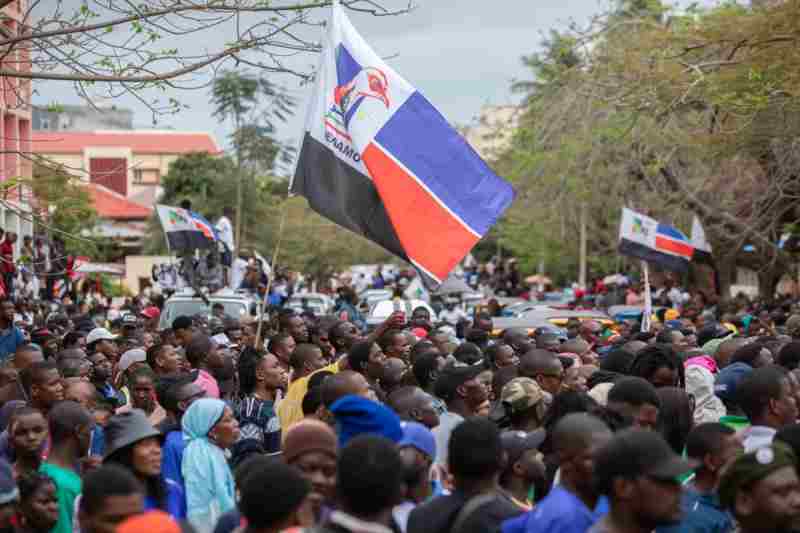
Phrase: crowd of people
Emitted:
{"points": [[423, 424]]}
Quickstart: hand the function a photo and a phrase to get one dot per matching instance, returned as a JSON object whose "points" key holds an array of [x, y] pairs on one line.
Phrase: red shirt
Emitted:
{"points": [[7, 253]]}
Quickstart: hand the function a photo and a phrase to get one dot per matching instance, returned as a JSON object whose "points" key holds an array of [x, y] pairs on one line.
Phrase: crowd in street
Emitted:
{"points": [[423, 424]]}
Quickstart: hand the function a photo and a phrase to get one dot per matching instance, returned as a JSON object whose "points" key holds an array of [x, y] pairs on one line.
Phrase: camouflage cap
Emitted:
{"points": [[520, 394], [793, 326]]}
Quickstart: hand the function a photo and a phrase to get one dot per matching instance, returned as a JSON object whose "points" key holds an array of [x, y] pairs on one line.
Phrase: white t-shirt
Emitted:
{"points": [[225, 232], [238, 270]]}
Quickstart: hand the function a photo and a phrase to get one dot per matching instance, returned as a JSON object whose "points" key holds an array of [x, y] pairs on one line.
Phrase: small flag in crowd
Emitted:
{"points": [[185, 230], [643, 237], [702, 248], [379, 159]]}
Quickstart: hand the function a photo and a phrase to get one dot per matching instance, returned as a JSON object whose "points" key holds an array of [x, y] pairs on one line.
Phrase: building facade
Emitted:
{"points": [[15, 124], [491, 132], [81, 118]]}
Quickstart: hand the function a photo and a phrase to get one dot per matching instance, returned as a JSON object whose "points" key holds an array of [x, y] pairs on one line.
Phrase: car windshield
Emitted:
{"points": [[177, 308]]}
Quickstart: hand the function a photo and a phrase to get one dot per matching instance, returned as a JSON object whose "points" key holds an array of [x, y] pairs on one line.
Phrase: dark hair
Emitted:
{"points": [[38, 369], [675, 417], [270, 480], [168, 387], [71, 338], [105, 482], [564, 403], [154, 486], [318, 378], [359, 356], [654, 357], [634, 391], [301, 354], [197, 349], [143, 372], [369, 476], [491, 353], [476, 336], [468, 353], [277, 339], [789, 356], [29, 482], [70, 367], [284, 317], [756, 389], [705, 439], [618, 360], [424, 366], [64, 418], [475, 450], [312, 400], [387, 339], [790, 435], [152, 353], [747, 353], [248, 364], [421, 347]]}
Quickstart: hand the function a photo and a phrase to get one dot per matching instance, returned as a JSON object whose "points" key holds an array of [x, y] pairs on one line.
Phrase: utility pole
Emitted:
{"points": [[582, 260]]}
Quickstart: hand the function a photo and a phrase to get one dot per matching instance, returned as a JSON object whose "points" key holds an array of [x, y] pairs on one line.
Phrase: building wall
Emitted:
{"points": [[141, 266], [82, 118], [15, 125], [492, 131]]}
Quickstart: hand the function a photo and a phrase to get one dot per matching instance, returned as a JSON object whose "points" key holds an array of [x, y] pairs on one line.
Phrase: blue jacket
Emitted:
{"points": [[171, 458], [702, 513], [559, 512]]}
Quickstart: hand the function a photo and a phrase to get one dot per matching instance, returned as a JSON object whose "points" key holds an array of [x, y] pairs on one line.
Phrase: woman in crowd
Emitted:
{"points": [[209, 428], [133, 443], [38, 505]]}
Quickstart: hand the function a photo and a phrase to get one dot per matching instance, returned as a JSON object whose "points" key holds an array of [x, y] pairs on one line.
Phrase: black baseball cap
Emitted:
{"points": [[516, 443], [453, 376], [636, 452]]}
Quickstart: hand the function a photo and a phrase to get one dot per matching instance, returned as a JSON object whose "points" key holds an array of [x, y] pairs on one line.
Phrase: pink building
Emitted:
{"points": [[15, 126]]}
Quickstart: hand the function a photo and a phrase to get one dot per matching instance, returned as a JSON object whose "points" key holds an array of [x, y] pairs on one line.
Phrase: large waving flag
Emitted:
{"points": [[380, 160], [643, 237]]}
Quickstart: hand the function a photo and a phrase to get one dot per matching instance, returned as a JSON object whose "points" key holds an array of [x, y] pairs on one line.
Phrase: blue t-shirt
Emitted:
{"points": [[10, 340], [559, 512], [702, 513]]}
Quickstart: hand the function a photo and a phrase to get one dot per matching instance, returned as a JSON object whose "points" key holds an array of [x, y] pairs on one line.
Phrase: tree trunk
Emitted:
{"points": [[726, 274], [768, 282]]}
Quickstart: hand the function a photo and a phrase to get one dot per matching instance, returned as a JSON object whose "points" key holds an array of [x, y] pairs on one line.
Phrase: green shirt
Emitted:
{"points": [[68, 487]]}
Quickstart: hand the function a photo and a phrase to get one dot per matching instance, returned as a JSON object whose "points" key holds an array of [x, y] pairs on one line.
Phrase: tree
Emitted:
{"points": [[673, 113], [118, 47], [64, 208], [254, 105]]}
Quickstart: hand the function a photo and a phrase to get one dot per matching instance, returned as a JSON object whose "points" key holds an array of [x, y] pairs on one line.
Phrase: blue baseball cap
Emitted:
{"points": [[728, 379], [418, 436]]}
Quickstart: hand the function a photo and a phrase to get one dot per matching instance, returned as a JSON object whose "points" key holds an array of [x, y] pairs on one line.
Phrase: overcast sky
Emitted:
{"points": [[461, 54]]}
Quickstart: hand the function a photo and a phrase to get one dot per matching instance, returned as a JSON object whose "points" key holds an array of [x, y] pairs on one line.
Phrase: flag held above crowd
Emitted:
{"points": [[184, 229], [380, 160], [645, 238]]}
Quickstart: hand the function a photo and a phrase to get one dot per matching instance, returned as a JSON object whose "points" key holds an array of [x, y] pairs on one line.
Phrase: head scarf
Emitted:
{"points": [[208, 479], [700, 384]]}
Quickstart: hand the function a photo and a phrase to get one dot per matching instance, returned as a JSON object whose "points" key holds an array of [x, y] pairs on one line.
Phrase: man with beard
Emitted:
{"points": [[639, 472], [101, 379], [762, 491], [281, 345]]}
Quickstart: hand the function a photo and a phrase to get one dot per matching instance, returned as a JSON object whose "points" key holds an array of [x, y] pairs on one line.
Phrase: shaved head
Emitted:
{"points": [[406, 399], [577, 431], [537, 361], [344, 383]]}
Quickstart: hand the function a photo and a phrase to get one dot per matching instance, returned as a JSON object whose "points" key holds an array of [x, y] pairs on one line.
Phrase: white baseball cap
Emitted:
{"points": [[136, 355], [99, 334]]}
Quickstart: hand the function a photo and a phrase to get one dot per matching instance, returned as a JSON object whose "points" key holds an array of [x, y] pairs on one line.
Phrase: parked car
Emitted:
{"points": [[547, 317], [237, 304], [372, 296], [320, 304]]}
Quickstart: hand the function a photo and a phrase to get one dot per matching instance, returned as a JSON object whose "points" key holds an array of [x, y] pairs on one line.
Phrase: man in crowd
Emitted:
{"points": [[768, 401], [414, 405], [11, 336], [205, 358], [476, 460], [544, 368], [638, 472], [636, 399], [281, 345], [111, 494], [463, 394]]}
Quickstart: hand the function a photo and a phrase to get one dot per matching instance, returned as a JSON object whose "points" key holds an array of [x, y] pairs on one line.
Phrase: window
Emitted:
{"points": [[146, 176]]}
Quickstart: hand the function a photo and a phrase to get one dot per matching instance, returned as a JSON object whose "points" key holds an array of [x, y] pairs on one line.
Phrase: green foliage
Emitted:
{"points": [[67, 210]]}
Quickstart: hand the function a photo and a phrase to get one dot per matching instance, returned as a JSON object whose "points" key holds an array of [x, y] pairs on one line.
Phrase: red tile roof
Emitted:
{"points": [[112, 205], [139, 141]]}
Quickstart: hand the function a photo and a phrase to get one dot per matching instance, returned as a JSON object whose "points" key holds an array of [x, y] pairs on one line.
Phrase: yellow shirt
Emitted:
{"points": [[290, 410]]}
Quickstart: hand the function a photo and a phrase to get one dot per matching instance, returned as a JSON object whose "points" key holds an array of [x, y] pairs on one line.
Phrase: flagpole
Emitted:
{"points": [[648, 300], [262, 302]]}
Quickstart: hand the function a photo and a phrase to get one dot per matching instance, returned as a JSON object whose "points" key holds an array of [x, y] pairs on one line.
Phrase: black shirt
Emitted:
{"points": [[439, 514]]}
